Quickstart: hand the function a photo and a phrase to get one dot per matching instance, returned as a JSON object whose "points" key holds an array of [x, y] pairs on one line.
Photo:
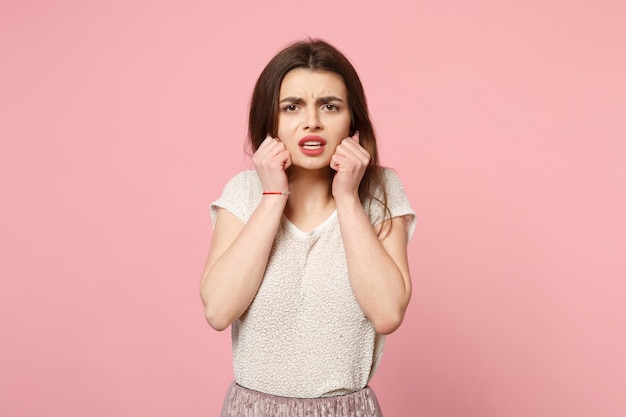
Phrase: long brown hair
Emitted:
{"points": [[316, 54]]}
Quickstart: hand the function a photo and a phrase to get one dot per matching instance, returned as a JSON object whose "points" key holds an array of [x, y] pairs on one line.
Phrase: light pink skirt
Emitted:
{"points": [[244, 402]]}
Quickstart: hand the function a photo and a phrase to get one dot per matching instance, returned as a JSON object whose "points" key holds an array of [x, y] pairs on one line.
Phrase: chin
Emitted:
{"points": [[313, 165]]}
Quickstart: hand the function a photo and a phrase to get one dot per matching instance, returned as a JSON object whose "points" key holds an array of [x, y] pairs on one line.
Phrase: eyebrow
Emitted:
{"points": [[319, 100]]}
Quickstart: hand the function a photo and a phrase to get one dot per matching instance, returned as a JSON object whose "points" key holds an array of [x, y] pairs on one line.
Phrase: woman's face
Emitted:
{"points": [[313, 116]]}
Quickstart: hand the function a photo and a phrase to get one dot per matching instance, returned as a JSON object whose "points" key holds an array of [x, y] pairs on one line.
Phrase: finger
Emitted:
{"points": [[355, 138], [345, 161], [271, 146], [335, 162], [268, 140], [354, 146], [346, 151], [288, 161], [285, 159], [351, 149]]}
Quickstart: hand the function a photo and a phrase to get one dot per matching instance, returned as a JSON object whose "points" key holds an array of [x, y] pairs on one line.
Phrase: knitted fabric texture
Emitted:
{"points": [[305, 335]]}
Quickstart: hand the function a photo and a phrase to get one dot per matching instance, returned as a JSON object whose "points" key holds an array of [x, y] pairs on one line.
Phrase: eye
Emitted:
{"points": [[330, 107], [290, 108]]}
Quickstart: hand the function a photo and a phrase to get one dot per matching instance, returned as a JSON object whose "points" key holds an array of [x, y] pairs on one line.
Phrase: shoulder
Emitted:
{"points": [[392, 201], [391, 180], [248, 178], [242, 186], [390, 186], [241, 194]]}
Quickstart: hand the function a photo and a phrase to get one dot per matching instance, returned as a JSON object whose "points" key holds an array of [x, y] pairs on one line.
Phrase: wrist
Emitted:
{"points": [[276, 192], [274, 198], [348, 200]]}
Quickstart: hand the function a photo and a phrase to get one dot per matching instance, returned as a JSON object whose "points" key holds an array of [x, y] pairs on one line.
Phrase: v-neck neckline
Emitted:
{"points": [[315, 230]]}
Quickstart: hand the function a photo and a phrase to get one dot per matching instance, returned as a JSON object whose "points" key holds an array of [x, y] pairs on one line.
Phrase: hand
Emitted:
{"points": [[350, 161], [271, 160]]}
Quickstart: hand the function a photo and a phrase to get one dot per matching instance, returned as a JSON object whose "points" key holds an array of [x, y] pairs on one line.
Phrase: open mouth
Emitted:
{"points": [[312, 145]]}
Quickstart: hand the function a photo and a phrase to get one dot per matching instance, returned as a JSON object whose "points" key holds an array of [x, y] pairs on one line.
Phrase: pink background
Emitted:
{"points": [[120, 121]]}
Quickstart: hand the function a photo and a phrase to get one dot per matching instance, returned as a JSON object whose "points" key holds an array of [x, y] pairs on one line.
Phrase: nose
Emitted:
{"points": [[312, 120]]}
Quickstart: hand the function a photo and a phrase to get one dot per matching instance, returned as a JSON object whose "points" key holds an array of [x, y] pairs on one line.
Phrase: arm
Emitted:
{"points": [[377, 267], [237, 260], [239, 252]]}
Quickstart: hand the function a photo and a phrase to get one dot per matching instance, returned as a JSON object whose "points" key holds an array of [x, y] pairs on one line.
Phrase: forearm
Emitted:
{"points": [[380, 285], [231, 281]]}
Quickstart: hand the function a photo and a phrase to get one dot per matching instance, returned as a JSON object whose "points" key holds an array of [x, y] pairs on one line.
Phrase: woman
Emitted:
{"points": [[308, 261]]}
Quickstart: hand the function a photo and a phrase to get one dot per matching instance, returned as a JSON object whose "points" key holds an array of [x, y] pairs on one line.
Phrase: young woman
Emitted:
{"points": [[308, 262]]}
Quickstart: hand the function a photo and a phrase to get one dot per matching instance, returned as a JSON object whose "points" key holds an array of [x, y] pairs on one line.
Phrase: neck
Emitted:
{"points": [[310, 191]]}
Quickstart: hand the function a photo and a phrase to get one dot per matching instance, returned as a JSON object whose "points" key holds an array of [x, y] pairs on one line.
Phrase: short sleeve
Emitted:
{"points": [[241, 195], [397, 203]]}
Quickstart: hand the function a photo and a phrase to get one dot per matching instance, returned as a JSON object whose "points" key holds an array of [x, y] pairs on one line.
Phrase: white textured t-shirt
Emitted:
{"points": [[305, 335]]}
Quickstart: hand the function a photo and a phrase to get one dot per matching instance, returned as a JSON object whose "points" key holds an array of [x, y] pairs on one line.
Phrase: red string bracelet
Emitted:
{"points": [[276, 193]]}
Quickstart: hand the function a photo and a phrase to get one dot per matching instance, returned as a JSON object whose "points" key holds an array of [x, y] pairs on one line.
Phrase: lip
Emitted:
{"points": [[316, 151]]}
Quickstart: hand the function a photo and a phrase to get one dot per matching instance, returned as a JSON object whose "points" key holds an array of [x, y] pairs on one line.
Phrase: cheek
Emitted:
{"points": [[285, 125], [343, 126]]}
